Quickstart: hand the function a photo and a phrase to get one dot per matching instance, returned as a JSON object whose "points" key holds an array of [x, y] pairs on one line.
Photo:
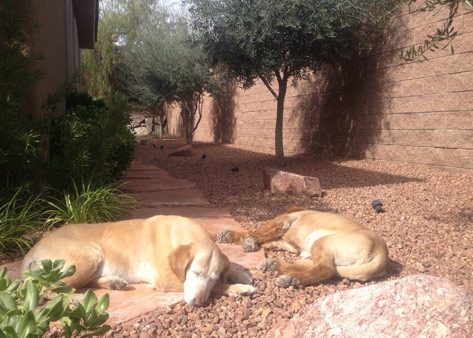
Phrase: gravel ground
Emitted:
{"points": [[427, 224]]}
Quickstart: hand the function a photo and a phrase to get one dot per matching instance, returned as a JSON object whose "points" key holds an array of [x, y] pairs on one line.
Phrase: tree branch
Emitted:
{"points": [[200, 102], [266, 83]]}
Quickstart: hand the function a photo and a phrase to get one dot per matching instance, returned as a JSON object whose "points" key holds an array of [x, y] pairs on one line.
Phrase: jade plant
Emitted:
{"points": [[26, 313]]}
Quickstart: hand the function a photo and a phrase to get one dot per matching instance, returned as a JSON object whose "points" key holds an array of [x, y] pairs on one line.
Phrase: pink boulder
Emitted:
{"points": [[290, 183], [414, 306]]}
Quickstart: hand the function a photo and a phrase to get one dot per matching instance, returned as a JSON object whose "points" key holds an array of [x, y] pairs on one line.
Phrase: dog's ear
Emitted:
{"points": [[295, 209], [238, 275], [226, 270], [180, 260]]}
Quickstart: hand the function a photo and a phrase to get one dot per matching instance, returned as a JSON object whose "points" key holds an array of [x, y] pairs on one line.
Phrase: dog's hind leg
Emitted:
{"points": [[271, 231], [229, 236], [86, 257], [303, 272]]}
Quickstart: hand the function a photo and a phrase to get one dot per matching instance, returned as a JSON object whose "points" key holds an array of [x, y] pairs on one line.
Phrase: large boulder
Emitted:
{"points": [[414, 306], [290, 183]]}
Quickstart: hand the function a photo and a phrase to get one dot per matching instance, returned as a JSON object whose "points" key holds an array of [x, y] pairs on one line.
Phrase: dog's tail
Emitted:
{"points": [[376, 267]]}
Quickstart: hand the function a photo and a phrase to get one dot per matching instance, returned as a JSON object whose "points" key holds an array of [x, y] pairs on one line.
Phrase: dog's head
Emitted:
{"points": [[199, 269]]}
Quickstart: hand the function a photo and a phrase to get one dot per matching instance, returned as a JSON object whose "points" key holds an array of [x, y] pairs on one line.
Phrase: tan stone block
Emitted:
{"points": [[434, 120], [457, 158], [448, 83], [459, 120], [465, 139], [411, 121]]}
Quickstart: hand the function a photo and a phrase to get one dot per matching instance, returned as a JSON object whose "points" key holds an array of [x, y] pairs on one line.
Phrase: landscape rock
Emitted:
{"points": [[136, 120], [149, 122], [140, 131], [183, 151], [290, 183], [414, 306]]}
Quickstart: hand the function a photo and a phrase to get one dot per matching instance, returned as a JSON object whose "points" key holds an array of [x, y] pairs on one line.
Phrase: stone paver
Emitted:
{"points": [[161, 194], [154, 184], [166, 198]]}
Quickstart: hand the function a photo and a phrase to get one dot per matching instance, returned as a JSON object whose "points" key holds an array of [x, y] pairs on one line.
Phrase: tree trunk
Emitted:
{"points": [[279, 145]]}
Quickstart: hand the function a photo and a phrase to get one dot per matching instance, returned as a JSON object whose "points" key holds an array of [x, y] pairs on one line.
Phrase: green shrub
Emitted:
{"points": [[91, 140], [22, 316], [19, 132], [19, 217], [88, 204]]}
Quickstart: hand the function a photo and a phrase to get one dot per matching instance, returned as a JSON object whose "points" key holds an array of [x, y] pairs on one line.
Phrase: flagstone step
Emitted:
{"points": [[167, 198], [148, 185]]}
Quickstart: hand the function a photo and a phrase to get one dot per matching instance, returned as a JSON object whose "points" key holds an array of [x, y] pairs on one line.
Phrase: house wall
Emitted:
{"points": [[381, 108], [50, 42]]}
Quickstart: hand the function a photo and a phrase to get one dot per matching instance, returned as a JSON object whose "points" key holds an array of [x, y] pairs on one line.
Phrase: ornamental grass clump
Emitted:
{"points": [[18, 219], [88, 204]]}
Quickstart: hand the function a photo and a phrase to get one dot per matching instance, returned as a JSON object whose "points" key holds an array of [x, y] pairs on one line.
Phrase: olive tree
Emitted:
{"points": [[163, 65], [443, 36], [275, 41]]}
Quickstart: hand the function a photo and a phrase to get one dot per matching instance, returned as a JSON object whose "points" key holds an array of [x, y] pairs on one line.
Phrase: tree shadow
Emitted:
{"points": [[342, 111], [222, 112], [342, 114], [336, 174]]}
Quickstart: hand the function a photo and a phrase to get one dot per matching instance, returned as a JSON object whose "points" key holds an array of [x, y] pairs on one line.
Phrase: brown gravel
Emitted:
{"points": [[427, 224]]}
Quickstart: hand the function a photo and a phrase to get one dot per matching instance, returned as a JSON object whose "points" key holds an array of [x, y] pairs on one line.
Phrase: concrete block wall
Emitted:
{"points": [[379, 108]]}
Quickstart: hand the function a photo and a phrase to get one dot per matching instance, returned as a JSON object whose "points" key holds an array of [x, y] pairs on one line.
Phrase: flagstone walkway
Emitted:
{"points": [[161, 194]]}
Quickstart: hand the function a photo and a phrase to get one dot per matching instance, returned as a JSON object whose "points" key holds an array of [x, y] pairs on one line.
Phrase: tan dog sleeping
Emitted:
{"points": [[338, 245], [171, 252]]}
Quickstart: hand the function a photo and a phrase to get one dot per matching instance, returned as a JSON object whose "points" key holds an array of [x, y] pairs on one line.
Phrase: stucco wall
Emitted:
{"points": [[50, 42], [381, 108]]}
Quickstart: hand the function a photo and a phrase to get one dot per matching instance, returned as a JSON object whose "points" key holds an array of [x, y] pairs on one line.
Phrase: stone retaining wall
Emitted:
{"points": [[381, 108]]}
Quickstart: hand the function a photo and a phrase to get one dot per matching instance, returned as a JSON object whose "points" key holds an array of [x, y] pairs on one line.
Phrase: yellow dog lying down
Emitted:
{"points": [[171, 252], [337, 245]]}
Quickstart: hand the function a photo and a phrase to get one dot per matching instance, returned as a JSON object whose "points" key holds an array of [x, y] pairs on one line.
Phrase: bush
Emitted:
{"points": [[19, 133], [86, 204], [90, 141], [22, 316]]}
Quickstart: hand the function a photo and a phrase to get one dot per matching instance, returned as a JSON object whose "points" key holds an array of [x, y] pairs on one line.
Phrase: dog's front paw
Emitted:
{"points": [[248, 290], [224, 236], [287, 281], [242, 290], [118, 283], [250, 245], [269, 264]]}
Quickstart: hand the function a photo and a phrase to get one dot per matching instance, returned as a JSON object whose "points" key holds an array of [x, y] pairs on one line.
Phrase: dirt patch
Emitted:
{"points": [[427, 224]]}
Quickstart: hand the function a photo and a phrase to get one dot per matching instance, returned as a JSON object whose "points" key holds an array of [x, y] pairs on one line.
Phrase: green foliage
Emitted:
{"points": [[91, 140], [19, 134], [22, 316], [18, 217], [272, 39], [263, 37], [88, 204], [443, 37], [119, 19], [162, 65]]}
